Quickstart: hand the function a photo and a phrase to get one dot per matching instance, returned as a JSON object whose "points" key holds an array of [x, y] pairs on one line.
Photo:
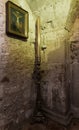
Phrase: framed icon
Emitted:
{"points": [[17, 20]]}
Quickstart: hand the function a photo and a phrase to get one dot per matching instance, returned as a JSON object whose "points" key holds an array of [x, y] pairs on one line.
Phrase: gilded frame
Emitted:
{"points": [[17, 21]]}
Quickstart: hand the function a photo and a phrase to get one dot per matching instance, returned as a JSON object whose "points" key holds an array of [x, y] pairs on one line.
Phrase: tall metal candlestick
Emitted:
{"points": [[38, 114]]}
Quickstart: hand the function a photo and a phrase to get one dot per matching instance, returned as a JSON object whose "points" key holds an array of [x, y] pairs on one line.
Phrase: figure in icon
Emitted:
{"points": [[17, 21]]}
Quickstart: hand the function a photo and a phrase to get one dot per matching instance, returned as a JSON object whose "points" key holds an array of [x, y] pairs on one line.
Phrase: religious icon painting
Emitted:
{"points": [[17, 21]]}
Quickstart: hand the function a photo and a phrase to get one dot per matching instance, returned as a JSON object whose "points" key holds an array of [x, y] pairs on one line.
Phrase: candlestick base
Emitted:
{"points": [[38, 117]]}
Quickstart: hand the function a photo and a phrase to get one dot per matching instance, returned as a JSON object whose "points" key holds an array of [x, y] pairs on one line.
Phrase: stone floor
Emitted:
{"points": [[51, 126]]}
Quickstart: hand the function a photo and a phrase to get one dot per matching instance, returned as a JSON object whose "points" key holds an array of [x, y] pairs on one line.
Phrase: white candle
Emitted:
{"points": [[37, 43]]}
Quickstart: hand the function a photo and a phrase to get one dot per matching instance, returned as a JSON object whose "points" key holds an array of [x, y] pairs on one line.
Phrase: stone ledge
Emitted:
{"points": [[61, 119], [75, 111]]}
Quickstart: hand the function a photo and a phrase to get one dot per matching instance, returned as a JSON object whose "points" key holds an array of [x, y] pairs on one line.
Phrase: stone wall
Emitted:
{"points": [[59, 85], [74, 58], [16, 67], [55, 81], [54, 61], [17, 89]]}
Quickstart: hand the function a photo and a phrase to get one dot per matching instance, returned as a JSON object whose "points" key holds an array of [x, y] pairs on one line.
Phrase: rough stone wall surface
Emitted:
{"points": [[53, 58], [3, 55], [16, 68], [17, 91], [54, 79], [74, 57]]}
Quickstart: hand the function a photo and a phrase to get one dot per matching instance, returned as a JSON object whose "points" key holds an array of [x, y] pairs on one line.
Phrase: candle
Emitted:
{"points": [[37, 39]]}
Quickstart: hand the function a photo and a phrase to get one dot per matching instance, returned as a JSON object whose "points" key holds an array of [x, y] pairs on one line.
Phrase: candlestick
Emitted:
{"points": [[38, 113]]}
